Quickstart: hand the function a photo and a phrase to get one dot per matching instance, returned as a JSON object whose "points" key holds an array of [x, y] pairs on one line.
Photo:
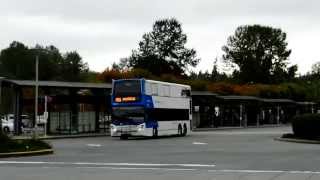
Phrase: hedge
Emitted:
{"points": [[9, 145], [306, 126]]}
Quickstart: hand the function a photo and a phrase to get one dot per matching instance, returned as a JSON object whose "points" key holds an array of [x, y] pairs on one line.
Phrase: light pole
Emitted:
{"points": [[36, 93]]}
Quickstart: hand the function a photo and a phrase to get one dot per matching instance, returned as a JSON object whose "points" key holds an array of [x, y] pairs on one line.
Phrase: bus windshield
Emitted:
{"points": [[127, 88], [128, 113]]}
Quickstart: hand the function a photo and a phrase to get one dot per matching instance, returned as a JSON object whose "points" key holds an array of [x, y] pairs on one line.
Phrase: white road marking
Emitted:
{"points": [[94, 145], [106, 164], [264, 171], [199, 143], [50, 167], [246, 133], [130, 168], [142, 166]]}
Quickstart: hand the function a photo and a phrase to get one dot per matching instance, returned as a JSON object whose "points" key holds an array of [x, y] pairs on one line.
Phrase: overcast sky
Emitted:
{"points": [[103, 31]]}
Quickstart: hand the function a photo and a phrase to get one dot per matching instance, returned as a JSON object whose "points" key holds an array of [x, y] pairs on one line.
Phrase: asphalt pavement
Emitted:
{"points": [[225, 154]]}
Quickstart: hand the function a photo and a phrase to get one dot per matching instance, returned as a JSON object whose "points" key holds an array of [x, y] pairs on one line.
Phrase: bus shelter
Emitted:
{"points": [[276, 111], [211, 110], [238, 111], [72, 107], [307, 107], [203, 104]]}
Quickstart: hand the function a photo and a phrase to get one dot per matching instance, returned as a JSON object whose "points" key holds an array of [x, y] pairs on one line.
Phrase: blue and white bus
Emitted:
{"points": [[143, 107]]}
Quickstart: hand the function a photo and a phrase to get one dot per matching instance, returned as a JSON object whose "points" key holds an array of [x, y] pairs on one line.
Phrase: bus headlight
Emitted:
{"points": [[141, 127], [113, 128]]}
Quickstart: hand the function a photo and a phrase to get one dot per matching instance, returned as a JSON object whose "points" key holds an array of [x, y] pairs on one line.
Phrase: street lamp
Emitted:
{"points": [[36, 103], [36, 92]]}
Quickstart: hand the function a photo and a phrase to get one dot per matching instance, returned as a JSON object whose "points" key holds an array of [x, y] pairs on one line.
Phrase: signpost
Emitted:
{"points": [[45, 114]]}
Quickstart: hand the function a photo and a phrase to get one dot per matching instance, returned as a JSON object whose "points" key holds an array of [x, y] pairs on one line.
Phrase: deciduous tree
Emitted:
{"points": [[260, 52], [163, 50]]}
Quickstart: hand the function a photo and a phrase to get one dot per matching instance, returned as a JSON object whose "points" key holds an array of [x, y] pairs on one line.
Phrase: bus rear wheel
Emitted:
{"points": [[180, 133], [155, 132], [185, 130]]}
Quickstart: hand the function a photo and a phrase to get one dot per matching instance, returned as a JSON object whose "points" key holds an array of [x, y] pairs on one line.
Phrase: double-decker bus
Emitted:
{"points": [[143, 107]]}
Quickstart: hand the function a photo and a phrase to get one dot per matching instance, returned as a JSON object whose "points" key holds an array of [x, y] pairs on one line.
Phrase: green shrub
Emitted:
{"points": [[10, 145], [4, 138], [306, 126]]}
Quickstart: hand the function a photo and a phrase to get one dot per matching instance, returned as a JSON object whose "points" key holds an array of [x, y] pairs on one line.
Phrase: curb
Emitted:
{"points": [[305, 141], [236, 128], [28, 153], [64, 136], [74, 136], [216, 129]]}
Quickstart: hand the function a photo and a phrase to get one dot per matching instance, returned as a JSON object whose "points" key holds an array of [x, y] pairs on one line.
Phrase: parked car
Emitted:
{"points": [[8, 122]]}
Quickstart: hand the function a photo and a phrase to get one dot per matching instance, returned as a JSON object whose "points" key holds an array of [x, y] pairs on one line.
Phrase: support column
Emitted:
{"points": [[17, 111], [240, 114], [74, 110], [97, 108], [278, 115], [258, 116], [1, 104], [245, 119]]}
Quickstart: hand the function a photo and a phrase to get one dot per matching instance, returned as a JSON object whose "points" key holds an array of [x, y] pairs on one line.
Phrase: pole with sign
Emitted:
{"points": [[45, 114]]}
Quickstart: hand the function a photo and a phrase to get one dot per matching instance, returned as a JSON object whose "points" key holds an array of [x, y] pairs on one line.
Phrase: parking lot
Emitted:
{"points": [[224, 154]]}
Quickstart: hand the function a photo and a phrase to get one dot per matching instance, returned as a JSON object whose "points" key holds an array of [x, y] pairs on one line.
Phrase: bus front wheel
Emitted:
{"points": [[185, 130]]}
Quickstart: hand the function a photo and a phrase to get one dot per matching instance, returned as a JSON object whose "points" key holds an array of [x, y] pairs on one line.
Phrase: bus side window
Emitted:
{"points": [[154, 88], [161, 90], [166, 91], [148, 89]]}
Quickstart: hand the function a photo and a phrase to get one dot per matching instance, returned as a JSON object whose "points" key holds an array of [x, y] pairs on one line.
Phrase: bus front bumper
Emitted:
{"points": [[130, 130]]}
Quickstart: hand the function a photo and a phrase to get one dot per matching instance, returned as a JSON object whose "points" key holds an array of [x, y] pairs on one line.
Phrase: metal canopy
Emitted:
{"points": [[277, 100], [306, 103], [203, 93], [248, 98], [59, 84]]}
